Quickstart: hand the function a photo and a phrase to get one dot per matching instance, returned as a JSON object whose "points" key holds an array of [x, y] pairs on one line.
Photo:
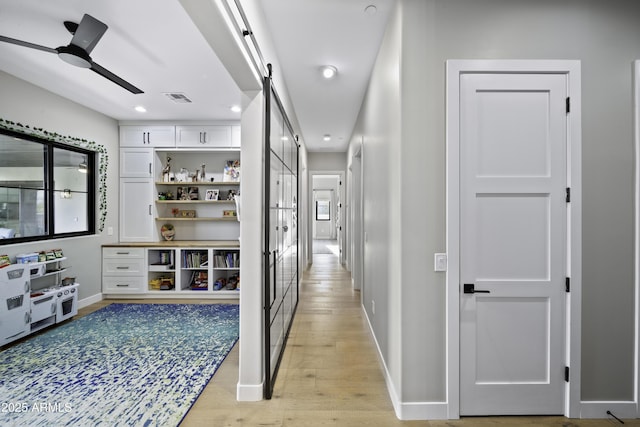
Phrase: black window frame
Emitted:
{"points": [[50, 191]]}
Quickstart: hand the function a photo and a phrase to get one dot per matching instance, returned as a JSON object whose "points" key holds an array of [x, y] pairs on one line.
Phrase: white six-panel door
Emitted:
{"points": [[513, 220]]}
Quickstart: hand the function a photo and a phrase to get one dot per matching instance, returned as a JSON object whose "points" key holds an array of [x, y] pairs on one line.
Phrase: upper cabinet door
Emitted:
{"points": [[203, 136], [147, 136]]}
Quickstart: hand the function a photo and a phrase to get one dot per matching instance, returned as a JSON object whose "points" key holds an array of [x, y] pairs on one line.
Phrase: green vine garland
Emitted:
{"points": [[103, 157]]}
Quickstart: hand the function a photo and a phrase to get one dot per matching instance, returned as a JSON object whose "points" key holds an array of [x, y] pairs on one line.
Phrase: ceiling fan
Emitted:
{"points": [[85, 37]]}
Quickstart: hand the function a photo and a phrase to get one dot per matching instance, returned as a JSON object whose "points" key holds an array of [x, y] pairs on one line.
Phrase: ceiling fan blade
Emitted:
{"points": [[117, 80], [27, 44], [88, 33]]}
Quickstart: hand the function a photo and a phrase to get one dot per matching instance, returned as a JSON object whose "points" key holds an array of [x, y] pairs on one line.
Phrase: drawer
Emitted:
{"points": [[123, 285], [122, 267], [123, 252]]}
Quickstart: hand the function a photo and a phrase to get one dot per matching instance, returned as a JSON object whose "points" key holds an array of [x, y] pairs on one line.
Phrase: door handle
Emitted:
{"points": [[469, 288]]}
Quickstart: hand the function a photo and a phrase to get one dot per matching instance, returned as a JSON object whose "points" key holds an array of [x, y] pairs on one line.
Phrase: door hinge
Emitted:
{"points": [[567, 284], [568, 105], [568, 194], [566, 374]]}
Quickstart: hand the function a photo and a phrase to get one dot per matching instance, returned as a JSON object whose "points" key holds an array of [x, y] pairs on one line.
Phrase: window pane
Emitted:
{"points": [[323, 213], [22, 208], [70, 198]]}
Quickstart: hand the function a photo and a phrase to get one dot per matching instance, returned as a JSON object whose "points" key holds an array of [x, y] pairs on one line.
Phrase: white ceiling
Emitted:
{"points": [[154, 45]]}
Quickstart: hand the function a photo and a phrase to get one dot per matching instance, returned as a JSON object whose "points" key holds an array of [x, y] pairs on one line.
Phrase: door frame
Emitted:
{"points": [[310, 204], [454, 69]]}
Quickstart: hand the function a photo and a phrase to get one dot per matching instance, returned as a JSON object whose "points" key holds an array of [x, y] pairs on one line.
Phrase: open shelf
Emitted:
{"points": [[222, 218], [213, 202], [190, 184]]}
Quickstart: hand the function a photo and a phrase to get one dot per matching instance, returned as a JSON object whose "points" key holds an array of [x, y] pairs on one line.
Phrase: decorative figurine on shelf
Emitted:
{"points": [[231, 195], [194, 177], [168, 232], [202, 174], [166, 170]]}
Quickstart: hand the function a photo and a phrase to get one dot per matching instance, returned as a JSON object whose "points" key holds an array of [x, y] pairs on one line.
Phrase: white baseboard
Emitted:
{"points": [[407, 411], [249, 393], [598, 409], [88, 301]]}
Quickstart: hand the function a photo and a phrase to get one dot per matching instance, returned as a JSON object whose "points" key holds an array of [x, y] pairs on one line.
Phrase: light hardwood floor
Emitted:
{"points": [[330, 374]]}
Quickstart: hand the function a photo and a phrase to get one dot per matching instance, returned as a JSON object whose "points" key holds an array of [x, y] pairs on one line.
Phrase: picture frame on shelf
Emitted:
{"points": [[193, 193], [212, 194], [181, 194]]}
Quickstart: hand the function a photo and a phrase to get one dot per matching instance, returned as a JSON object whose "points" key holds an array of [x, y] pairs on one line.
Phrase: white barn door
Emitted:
{"points": [[513, 243]]}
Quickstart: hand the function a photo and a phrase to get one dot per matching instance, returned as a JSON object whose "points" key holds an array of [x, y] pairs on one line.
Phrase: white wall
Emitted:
{"points": [[30, 105], [402, 124]]}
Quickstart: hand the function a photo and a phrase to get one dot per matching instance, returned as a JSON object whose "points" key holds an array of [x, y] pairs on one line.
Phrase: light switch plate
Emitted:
{"points": [[440, 262]]}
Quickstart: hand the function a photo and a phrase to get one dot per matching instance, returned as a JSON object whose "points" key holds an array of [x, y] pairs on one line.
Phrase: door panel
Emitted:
{"points": [[513, 243]]}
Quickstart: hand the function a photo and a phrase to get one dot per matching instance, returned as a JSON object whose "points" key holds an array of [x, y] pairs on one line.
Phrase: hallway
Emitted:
{"points": [[330, 373]]}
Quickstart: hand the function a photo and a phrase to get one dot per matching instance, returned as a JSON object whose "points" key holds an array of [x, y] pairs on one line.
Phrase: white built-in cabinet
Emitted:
{"points": [[205, 227], [203, 136], [147, 136], [136, 210], [136, 162]]}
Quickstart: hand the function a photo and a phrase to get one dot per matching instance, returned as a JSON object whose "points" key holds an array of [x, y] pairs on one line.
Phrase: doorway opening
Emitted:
{"points": [[326, 219]]}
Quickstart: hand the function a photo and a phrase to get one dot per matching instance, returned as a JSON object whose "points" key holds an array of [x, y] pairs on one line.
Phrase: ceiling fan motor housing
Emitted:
{"points": [[74, 55]]}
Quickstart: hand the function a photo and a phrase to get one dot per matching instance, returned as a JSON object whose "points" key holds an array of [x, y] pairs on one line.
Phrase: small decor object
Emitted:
{"points": [[203, 175], [188, 213], [166, 170], [231, 171], [212, 194], [193, 193], [175, 212], [231, 195], [168, 232], [4, 261], [229, 213]]}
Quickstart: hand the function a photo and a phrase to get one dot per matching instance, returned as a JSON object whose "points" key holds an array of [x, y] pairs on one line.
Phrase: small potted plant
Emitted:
{"points": [[175, 212]]}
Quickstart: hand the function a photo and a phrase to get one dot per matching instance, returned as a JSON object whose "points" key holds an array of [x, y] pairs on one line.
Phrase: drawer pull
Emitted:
{"points": [[43, 300], [123, 253], [122, 268], [122, 285]]}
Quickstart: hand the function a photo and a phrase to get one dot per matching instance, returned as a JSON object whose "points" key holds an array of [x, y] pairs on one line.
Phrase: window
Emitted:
{"points": [[323, 211], [47, 189]]}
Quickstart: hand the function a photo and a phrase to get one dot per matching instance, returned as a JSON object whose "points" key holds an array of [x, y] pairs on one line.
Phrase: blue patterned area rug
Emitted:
{"points": [[123, 365]]}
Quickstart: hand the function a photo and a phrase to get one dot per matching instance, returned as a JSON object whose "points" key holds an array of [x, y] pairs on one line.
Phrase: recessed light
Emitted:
{"points": [[329, 71], [326, 138], [236, 108], [140, 109]]}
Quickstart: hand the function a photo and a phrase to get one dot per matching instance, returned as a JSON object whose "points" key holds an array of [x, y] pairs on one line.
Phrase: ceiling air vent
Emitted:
{"points": [[178, 98]]}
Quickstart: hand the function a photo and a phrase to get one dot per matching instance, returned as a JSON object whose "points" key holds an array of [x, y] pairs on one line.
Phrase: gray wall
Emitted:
{"points": [[30, 105], [605, 37]]}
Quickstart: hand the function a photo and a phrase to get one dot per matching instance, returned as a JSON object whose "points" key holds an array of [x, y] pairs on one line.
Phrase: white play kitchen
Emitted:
{"points": [[34, 295]]}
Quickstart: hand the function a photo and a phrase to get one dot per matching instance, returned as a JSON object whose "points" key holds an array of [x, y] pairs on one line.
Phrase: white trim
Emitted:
{"points": [[406, 410], [85, 302], [574, 140], [636, 137], [249, 393], [598, 409]]}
